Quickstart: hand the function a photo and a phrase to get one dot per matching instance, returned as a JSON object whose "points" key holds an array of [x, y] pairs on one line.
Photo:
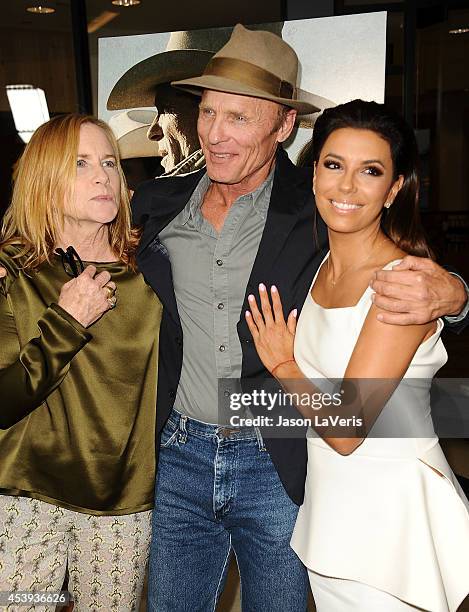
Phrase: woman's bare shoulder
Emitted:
{"points": [[389, 256]]}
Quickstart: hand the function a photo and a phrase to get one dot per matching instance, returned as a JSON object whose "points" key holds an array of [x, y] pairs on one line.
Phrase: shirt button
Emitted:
{"points": [[222, 348], [226, 393], [221, 306], [219, 262]]}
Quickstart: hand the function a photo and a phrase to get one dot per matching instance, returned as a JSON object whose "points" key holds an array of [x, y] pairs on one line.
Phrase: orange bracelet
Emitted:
{"points": [[281, 364]]}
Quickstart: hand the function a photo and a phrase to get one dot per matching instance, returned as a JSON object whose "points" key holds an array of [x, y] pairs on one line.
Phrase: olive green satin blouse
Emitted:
{"points": [[77, 406]]}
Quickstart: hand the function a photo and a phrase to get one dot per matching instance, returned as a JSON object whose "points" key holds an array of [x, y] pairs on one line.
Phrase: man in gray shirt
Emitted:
{"points": [[247, 221], [210, 310]]}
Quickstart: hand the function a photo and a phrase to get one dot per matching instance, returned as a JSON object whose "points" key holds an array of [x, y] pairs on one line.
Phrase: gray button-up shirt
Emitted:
{"points": [[210, 273]]}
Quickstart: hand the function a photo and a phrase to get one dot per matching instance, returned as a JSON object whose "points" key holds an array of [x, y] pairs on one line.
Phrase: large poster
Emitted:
{"points": [[341, 58]]}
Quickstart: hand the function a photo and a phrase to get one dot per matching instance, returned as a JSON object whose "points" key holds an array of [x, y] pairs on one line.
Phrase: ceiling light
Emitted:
{"points": [[459, 31], [101, 20], [126, 2], [44, 10], [29, 108]]}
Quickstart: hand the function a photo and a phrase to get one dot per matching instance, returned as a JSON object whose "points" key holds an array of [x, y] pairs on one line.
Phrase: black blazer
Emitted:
{"points": [[290, 251]]}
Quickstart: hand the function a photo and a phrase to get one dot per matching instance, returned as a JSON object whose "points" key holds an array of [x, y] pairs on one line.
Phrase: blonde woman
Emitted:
{"points": [[78, 369]]}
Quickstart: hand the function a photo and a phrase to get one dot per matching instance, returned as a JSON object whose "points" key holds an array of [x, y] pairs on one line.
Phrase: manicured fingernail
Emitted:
{"points": [[247, 314], [380, 317], [262, 287], [251, 298], [273, 288], [295, 312]]}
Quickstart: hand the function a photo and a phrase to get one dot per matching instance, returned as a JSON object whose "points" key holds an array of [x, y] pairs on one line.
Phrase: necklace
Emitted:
{"points": [[354, 267]]}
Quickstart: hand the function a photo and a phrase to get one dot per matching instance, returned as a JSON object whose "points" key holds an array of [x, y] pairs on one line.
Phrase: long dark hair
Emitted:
{"points": [[401, 222]]}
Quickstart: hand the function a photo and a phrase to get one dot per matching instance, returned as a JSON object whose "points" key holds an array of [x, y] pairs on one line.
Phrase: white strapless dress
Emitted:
{"points": [[382, 516]]}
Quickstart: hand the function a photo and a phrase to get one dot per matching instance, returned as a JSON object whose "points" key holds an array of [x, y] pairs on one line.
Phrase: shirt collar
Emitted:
{"points": [[196, 199], [259, 198]]}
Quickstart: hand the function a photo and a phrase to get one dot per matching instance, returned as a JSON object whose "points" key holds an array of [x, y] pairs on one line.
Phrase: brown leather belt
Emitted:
{"points": [[225, 432]]}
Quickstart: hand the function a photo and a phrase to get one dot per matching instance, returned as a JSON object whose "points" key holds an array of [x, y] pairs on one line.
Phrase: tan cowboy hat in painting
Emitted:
{"points": [[186, 55], [258, 64], [130, 129]]}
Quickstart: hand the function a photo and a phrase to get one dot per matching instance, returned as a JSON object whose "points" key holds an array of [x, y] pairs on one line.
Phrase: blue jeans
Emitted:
{"points": [[217, 491]]}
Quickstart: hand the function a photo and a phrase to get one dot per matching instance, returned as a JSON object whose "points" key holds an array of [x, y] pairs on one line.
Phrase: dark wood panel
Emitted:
{"points": [[40, 58]]}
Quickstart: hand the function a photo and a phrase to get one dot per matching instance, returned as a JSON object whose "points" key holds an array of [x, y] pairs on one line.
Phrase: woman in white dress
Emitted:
{"points": [[384, 525]]}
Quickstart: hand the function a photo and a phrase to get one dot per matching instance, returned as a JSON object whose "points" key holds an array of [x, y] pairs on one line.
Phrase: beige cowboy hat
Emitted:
{"points": [[258, 64], [186, 54], [130, 129]]}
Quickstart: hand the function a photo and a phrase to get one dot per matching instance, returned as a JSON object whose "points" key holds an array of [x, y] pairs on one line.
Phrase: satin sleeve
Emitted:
{"points": [[30, 373]]}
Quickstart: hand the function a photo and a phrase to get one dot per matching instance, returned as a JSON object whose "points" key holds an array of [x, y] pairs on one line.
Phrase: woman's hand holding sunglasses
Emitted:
{"points": [[88, 296]]}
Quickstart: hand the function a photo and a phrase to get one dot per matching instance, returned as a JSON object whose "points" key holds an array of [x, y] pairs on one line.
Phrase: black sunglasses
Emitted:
{"points": [[71, 261]]}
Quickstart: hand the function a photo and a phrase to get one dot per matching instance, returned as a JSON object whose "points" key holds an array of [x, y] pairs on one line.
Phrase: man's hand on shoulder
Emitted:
{"points": [[3, 272], [417, 291]]}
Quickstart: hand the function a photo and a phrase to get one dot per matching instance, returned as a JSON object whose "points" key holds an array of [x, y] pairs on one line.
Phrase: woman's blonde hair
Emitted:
{"points": [[43, 182]]}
